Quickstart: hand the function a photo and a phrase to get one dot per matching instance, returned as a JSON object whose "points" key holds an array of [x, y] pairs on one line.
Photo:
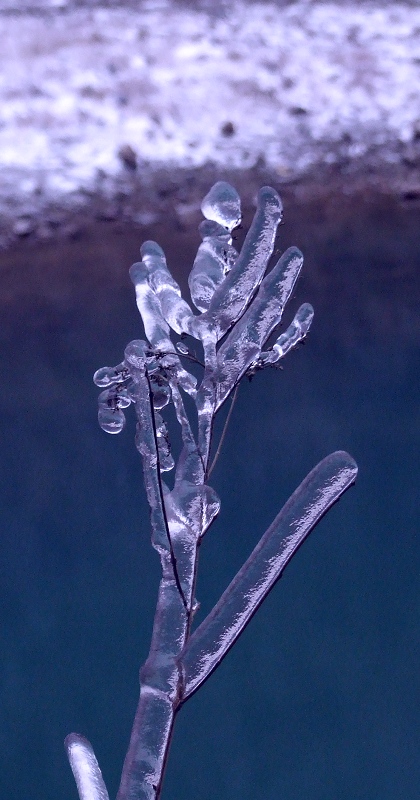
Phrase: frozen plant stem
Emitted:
{"points": [[240, 303]]}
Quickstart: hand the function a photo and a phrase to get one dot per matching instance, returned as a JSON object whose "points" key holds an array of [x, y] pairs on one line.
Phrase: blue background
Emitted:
{"points": [[320, 696]]}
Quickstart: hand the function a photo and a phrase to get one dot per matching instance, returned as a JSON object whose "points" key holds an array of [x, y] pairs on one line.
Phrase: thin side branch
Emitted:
{"points": [[225, 427]]}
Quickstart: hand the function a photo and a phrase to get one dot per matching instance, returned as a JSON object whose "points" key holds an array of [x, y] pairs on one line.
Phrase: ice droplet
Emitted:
{"points": [[108, 376], [223, 205], [115, 398], [182, 348], [111, 420], [161, 396], [107, 397]]}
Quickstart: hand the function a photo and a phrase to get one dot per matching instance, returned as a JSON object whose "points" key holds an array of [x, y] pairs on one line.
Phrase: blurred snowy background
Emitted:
{"points": [[91, 92]]}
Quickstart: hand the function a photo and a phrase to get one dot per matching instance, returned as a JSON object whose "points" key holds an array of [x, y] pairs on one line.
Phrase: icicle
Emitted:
{"points": [[243, 344], [85, 768], [234, 294], [219, 631]]}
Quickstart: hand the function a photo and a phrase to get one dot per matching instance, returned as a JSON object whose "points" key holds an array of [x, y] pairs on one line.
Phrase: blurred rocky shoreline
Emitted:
{"points": [[126, 113]]}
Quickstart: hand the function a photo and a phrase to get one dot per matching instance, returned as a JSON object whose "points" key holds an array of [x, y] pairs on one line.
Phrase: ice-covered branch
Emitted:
{"points": [[240, 302], [219, 631], [244, 343], [232, 297]]}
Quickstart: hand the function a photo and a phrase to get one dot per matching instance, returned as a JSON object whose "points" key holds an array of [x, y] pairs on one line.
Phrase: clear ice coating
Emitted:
{"points": [[240, 302], [222, 204]]}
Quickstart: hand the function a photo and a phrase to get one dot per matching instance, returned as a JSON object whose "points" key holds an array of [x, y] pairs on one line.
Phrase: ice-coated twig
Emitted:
{"points": [[215, 636], [240, 303], [244, 343], [146, 443], [235, 293], [85, 768]]}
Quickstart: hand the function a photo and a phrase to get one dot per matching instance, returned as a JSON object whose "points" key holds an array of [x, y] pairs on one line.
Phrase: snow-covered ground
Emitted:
{"points": [[92, 92]]}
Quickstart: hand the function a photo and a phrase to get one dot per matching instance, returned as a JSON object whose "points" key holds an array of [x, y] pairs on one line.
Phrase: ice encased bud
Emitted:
{"points": [[223, 205], [174, 309], [111, 420], [108, 376], [209, 228], [215, 258], [161, 395], [115, 397], [135, 353], [235, 293], [85, 768]]}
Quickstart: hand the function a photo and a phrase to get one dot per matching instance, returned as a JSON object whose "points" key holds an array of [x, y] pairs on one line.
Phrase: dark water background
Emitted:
{"points": [[320, 697]]}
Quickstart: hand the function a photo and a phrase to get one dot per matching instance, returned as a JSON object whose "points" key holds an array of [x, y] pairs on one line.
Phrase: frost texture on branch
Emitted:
{"points": [[239, 302]]}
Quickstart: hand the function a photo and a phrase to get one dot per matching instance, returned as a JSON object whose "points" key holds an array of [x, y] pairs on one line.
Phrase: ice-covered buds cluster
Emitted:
{"points": [[239, 302]]}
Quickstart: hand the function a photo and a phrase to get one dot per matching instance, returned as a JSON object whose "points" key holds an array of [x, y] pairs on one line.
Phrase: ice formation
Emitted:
{"points": [[240, 302]]}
